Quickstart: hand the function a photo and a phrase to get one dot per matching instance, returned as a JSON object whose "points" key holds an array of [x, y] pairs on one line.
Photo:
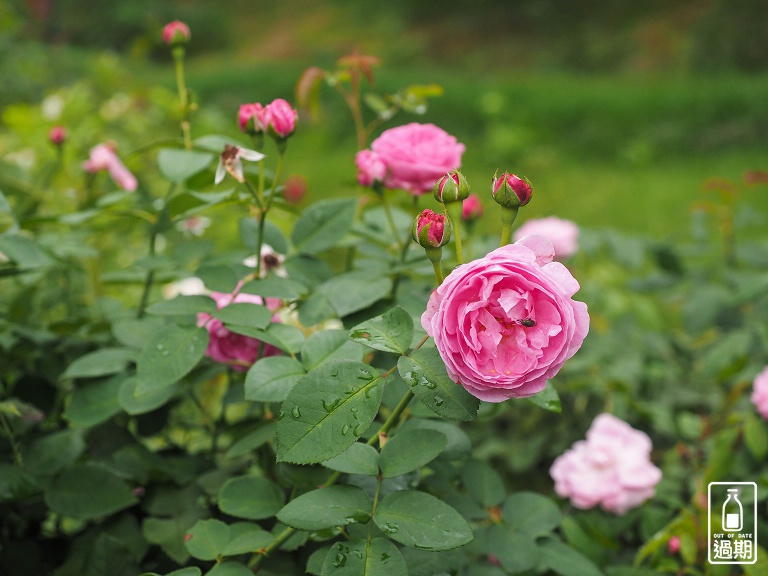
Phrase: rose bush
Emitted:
{"points": [[504, 324]]}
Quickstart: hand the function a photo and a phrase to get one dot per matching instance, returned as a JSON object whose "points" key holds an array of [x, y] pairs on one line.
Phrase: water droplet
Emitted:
{"points": [[334, 373], [390, 528], [353, 410], [438, 401], [364, 375], [344, 429], [160, 347], [280, 415], [358, 430], [339, 560], [330, 406], [296, 412], [430, 385], [368, 392], [384, 556]]}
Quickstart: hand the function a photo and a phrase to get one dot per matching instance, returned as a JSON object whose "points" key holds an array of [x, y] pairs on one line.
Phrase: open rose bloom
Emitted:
{"points": [[506, 323], [611, 468], [563, 233]]}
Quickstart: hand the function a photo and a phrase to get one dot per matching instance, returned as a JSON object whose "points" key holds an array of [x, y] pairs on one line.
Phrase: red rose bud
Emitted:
{"points": [[453, 187], [673, 545], [431, 230], [176, 33], [295, 189], [472, 208], [57, 135], [511, 191], [249, 118]]}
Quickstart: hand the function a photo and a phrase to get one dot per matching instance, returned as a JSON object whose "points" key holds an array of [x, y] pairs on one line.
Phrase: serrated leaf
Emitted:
{"points": [[328, 346], [377, 557], [102, 362], [275, 287], [271, 379], [327, 411], [424, 372], [756, 436], [548, 399], [180, 305], [483, 483], [49, 454], [564, 560], [420, 520], [390, 332], [410, 450], [169, 356], [531, 513], [354, 291], [134, 403], [245, 314], [250, 497], [252, 440], [283, 336], [516, 551], [326, 508], [206, 539], [178, 165], [245, 537], [87, 492], [357, 459], [229, 568], [94, 402], [323, 224]]}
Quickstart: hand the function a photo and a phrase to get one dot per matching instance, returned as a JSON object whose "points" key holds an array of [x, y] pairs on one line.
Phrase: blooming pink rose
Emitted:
{"points": [[472, 208], [104, 157], [760, 393], [612, 467], [250, 118], [279, 118], [416, 156], [228, 347], [563, 233], [370, 168], [176, 32], [506, 323]]}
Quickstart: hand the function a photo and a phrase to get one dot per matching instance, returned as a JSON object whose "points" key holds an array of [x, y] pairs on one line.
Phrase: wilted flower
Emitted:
{"points": [[511, 191], [563, 233], [175, 33], [231, 162], [104, 157], [271, 261]]}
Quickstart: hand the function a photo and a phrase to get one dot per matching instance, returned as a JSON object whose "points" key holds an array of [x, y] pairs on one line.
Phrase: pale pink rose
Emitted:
{"points": [[611, 468], [760, 393], [370, 168], [104, 157], [506, 323], [176, 32], [239, 351], [250, 118], [280, 118], [471, 208], [416, 156], [563, 233]]}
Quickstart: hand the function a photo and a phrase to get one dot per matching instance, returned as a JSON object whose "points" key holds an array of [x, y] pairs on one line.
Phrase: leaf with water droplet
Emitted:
{"points": [[169, 355], [344, 429], [270, 379], [296, 412], [377, 557], [390, 332], [357, 459], [327, 508]]}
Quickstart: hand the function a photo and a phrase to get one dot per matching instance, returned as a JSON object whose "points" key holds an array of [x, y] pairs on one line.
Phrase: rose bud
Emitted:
{"points": [[511, 191], [472, 208], [673, 545], [453, 187], [431, 230], [279, 119], [57, 135], [249, 118], [176, 33]]}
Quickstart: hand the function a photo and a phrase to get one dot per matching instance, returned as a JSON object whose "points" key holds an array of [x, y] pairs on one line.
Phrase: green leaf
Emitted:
{"points": [[326, 508], [274, 286], [377, 557], [354, 291], [94, 402], [252, 440], [548, 399], [327, 411], [87, 492], [425, 374], [134, 332], [49, 454], [531, 513], [390, 332], [178, 165], [169, 356], [420, 520], [316, 559], [566, 561], [323, 224], [283, 336], [207, 539], [516, 551], [270, 379], [134, 403], [23, 251], [245, 537], [250, 497], [245, 314], [191, 571], [327, 346], [410, 450], [483, 483], [422, 563], [184, 305], [756, 436], [229, 568], [357, 459], [100, 363]]}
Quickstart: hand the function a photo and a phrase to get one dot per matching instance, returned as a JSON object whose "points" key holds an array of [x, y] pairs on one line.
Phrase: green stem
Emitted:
{"points": [[392, 420], [438, 272], [267, 206], [390, 219], [508, 216], [274, 545], [11, 440], [453, 211], [178, 57]]}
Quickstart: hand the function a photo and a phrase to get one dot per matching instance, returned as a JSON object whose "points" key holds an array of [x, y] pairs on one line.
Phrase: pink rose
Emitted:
{"points": [[57, 135], [760, 393], [472, 208], [227, 347], [416, 156], [506, 323], [104, 157], [176, 32], [563, 233], [370, 168], [673, 545], [250, 118], [279, 118], [612, 467]]}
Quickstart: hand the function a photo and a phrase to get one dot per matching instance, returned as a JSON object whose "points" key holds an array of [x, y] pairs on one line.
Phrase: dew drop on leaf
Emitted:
{"points": [[339, 560], [296, 412], [438, 401], [344, 429]]}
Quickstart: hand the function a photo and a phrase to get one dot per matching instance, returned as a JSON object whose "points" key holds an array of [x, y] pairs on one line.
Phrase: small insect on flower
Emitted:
{"points": [[527, 322]]}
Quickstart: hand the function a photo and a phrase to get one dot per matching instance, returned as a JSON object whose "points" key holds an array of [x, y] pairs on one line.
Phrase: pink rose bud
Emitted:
{"points": [[176, 33], [280, 119], [249, 118], [563, 233], [371, 169], [472, 208], [673, 545], [104, 157], [295, 189], [453, 187], [611, 468], [431, 230], [57, 135], [760, 393], [506, 323], [511, 191]]}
